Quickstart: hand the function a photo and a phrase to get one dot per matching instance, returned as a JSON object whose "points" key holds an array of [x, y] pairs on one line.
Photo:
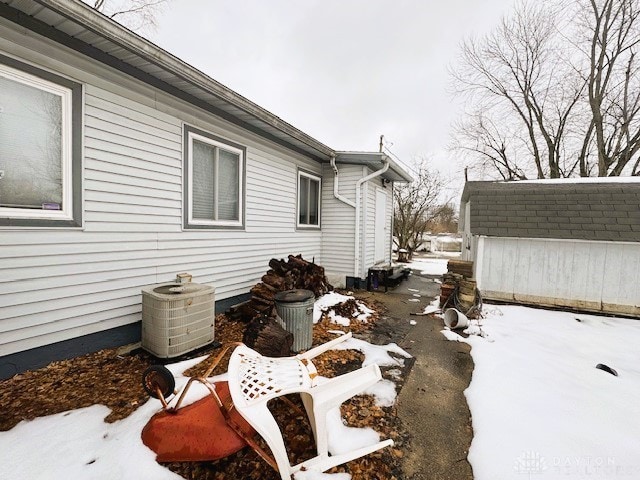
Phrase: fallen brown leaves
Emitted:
{"points": [[103, 377], [113, 380]]}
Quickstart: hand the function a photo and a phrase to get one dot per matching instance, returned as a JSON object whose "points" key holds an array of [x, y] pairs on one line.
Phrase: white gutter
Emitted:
{"points": [[91, 20], [356, 265], [335, 185]]}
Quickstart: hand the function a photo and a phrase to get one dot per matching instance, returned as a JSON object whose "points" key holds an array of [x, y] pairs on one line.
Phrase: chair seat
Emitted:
{"points": [[255, 379], [263, 378]]}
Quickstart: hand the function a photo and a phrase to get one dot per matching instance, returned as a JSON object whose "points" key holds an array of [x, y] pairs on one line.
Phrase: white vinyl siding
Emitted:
{"points": [[369, 215], [369, 237], [592, 275], [338, 220], [59, 284]]}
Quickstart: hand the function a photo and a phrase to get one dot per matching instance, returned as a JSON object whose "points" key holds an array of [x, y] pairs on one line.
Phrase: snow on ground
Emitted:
{"points": [[384, 392], [429, 266], [80, 444], [430, 309], [326, 303], [375, 353], [540, 409]]}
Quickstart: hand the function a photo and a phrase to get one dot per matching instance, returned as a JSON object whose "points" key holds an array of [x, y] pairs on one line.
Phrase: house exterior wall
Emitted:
{"points": [[589, 275], [370, 233], [57, 284], [338, 222]]}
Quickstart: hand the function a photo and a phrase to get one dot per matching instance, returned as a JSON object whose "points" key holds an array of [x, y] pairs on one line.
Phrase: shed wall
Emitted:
{"points": [[590, 275], [64, 283]]}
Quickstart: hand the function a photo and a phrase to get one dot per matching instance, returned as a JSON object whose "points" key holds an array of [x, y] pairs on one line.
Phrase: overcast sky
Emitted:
{"points": [[342, 71]]}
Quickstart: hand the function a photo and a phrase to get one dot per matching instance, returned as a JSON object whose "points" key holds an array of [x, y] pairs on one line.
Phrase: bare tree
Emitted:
{"points": [[613, 78], [415, 205], [519, 75], [493, 145], [445, 219], [551, 99], [137, 15]]}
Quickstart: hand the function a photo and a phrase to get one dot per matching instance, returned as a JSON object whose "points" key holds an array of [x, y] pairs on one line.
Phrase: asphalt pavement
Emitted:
{"points": [[431, 403]]}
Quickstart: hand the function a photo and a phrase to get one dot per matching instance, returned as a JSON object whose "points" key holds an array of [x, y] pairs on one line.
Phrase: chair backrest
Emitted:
{"points": [[262, 378]]}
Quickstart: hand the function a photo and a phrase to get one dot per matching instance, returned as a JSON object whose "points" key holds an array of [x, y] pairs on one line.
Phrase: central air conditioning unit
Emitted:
{"points": [[177, 318]]}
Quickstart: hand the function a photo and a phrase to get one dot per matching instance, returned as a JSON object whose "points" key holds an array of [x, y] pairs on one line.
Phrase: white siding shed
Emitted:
{"points": [[571, 243]]}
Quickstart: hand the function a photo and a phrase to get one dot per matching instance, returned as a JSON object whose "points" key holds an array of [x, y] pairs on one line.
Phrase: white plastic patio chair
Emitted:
{"points": [[255, 379]]}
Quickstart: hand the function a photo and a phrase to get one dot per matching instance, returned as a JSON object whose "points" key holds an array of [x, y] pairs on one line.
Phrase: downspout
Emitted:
{"points": [[335, 184], [393, 221], [356, 263]]}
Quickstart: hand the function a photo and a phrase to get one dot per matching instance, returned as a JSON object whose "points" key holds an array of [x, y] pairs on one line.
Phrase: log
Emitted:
{"points": [[273, 280], [268, 338], [278, 266], [298, 262], [293, 273], [263, 291]]}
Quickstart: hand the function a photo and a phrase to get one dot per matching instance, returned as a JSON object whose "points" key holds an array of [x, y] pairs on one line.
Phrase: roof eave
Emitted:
{"points": [[395, 173], [101, 25]]}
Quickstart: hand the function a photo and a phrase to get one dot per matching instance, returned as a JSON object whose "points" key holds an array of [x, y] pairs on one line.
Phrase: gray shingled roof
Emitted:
{"points": [[593, 210]]}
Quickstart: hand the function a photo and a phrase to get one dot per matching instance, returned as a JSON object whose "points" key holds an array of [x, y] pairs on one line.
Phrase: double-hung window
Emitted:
{"points": [[308, 200], [40, 147], [214, 188]]}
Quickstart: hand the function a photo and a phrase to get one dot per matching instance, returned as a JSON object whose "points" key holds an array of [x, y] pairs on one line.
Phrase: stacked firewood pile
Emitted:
{"points": [[264, 333], [290, 274]]}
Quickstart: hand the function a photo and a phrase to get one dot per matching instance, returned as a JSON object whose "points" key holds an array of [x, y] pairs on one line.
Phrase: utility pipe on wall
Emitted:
{"points": [[356, 205], [335, 185], [356, 265]]}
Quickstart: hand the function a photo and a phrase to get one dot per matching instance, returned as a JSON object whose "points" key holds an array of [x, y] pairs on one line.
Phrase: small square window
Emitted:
{"points": [[40, 153], [308, 200], [214, 181]]}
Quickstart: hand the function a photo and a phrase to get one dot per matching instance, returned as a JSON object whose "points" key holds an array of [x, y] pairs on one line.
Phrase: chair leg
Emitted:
{"points": [[321, 464], [333, 393], [307, 401], [314, 352], [261, 419]]}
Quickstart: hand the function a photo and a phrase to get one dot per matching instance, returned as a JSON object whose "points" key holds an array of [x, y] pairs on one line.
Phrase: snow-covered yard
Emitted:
{"points": [[80, 444], [540, 409], [429, 266]]}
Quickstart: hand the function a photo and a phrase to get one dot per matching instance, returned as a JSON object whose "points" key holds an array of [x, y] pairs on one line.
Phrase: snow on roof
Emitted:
{"points": [[564, 181]]}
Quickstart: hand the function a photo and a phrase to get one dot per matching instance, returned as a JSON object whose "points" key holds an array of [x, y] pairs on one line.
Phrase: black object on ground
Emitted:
{"points": [[606, 368]]}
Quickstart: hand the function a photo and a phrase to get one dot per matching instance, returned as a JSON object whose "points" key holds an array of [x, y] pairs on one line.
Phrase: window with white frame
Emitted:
{"points": [[214, 188], [40, 147], [308, 200]]}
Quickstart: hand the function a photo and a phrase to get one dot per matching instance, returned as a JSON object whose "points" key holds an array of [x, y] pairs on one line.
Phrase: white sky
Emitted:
{"points": [[342, 71]]}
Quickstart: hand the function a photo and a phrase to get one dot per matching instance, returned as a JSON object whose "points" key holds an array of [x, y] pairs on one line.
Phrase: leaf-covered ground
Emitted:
{"points": [[114, 379]]}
